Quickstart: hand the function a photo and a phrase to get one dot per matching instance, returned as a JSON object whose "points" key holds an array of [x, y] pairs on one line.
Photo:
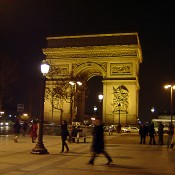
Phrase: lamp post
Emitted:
{"points": [[119, 106], [100, 97], [152, 110], [171, 87], [39, 148], [73, 93], [95, 110]]}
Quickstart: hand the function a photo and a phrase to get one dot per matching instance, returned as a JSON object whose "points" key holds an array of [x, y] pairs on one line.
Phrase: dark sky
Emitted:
{"points": [[25, 24]]}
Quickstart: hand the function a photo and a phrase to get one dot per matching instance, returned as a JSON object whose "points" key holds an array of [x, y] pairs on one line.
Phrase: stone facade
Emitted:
{"points": [[115, 57]]}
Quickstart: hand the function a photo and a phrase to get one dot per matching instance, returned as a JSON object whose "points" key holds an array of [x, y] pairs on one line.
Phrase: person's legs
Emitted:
{"points": [[108, 157], [91, 161], [16, 138], [140, 139], [65, 144], [150, 140], [144, 138], [154, 142], [169, 140]]}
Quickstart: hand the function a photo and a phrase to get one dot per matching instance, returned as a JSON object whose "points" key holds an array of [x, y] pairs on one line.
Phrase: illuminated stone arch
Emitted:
{"points": [[115, 57], [89, 69]]}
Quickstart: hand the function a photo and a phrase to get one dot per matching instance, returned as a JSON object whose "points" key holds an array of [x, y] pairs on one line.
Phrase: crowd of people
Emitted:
{"points": [[97, 147], [33, 129], [98, 144], [149, 130]]}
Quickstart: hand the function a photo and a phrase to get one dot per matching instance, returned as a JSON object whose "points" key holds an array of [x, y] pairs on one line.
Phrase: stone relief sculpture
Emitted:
{"points": [[120, 99]]}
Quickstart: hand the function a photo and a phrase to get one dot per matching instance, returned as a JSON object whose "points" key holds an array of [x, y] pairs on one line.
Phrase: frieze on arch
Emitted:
{"points": [[115, 57], [90, 52]]}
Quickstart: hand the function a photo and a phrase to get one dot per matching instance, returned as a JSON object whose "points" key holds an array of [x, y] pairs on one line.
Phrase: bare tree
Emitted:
{"points": [[8, 74]]}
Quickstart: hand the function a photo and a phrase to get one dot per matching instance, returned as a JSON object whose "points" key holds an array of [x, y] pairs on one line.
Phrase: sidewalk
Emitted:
{"points": [[128, 159]]}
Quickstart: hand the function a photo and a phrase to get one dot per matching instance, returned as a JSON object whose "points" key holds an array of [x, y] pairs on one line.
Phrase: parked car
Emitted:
{"points": [[130, 129], [125, 128]]}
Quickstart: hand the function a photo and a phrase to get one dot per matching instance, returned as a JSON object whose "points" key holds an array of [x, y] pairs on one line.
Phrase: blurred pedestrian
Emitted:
{"points": [[25, 127], [170, 140], [111, 130], [74, 133], [152, 134], [160, 133], [64, 135], [17, 128], [142, 133], [33, 132], [98, 145]]}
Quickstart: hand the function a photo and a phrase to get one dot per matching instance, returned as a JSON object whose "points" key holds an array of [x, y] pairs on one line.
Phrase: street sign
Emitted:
{"points": [[20, 108]]}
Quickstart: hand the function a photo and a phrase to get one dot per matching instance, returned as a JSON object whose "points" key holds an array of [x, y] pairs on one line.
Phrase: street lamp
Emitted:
{"points": [[100, 97], [153, 111], [39, 148], [73, 93], [95, 109], [171, 87]]}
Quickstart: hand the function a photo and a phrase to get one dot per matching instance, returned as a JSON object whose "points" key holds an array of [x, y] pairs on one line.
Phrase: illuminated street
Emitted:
{"points": [[128, 156]]}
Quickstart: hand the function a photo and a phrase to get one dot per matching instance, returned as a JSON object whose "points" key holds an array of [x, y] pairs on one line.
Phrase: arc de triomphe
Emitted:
{"points": [[115, 57]]}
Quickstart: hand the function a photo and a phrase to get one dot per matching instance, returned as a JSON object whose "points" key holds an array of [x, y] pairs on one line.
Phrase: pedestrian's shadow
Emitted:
{"points": [[113, 165]]}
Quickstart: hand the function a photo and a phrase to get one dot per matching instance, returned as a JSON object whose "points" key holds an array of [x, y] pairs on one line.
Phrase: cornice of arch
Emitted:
{"points": [[89, 52]]}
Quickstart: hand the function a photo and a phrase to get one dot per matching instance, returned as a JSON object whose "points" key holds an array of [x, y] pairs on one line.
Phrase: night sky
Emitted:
{"points": [[25, 24]]}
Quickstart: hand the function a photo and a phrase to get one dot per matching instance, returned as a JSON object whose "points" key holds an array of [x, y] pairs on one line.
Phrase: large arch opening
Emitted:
{"points": [[94, 88]]}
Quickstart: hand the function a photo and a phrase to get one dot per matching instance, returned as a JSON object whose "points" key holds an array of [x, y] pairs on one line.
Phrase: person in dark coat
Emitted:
{"points": [[25, 127], [17, 128], [160, 133], [170, 142], [142, 133], [152, 134], [98, 146], [74, 133], [64, 135]]}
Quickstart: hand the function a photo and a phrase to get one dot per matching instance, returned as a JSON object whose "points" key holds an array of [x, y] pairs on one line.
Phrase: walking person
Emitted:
{"points": [[160, 133], [170, 141], [152, 134], [34, 129], [98, 145], [17, 128], [142, 133], [25, 127], [64, 135]]}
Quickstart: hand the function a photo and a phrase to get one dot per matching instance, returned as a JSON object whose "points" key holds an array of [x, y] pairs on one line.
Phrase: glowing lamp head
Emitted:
{"points": [[45, 68]]}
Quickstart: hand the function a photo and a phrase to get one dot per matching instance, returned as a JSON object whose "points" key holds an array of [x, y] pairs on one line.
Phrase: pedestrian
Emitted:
{"points": [[98, 145], [34, 129], [17, 128], [152, 134], [74, 133], [160, 133], [142, 133], [170, 140], [25, 127], [64, 135], [111, 130]]}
